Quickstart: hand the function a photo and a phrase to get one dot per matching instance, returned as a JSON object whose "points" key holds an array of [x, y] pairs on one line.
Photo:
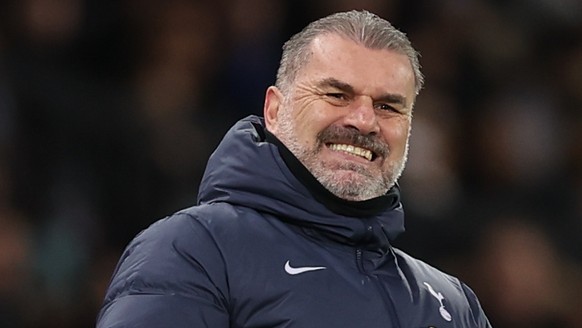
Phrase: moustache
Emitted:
{"points": [[336, 134]]}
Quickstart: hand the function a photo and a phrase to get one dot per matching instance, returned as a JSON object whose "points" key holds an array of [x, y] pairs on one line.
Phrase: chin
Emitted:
{"points": [[353, 186]]}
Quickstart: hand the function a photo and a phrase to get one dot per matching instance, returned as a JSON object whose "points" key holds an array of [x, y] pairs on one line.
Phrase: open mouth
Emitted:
{"points": [[353, 150]]}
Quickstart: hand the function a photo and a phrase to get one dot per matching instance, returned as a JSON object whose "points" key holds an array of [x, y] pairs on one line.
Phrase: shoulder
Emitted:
{"points": [[432, 283], [171, 253], [197, 227], [168, 269], [194, 239], [421, 269], [424, 275]]}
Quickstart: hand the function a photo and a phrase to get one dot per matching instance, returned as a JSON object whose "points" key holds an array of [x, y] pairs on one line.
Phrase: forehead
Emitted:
{"points": [[367, 70]]}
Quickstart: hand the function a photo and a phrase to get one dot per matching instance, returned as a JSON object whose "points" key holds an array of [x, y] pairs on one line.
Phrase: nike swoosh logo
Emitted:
{"points": [[293, 271]]}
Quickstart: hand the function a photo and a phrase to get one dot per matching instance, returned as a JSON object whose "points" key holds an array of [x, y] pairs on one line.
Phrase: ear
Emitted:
{"points": [[273, 101]]}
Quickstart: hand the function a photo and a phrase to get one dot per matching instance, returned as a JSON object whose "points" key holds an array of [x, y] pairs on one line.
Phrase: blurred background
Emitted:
{"points": [[109, 110]]}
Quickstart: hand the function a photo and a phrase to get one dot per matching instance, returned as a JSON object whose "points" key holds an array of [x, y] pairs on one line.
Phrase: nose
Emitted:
{"points": [[362, 116]]}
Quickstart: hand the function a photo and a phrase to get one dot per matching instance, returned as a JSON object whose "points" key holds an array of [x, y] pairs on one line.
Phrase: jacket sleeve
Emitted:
{"points": [[170, 275], [478, 313]]}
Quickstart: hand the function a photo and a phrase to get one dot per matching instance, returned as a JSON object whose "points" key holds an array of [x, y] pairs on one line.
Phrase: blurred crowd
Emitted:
{"points": [[109, 110]]}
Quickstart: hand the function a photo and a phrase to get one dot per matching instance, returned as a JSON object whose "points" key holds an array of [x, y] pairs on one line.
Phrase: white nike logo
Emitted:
{"points": [[293, 271]]}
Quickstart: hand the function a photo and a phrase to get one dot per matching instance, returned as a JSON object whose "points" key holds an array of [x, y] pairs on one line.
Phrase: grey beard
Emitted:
{"points": [[357, 189], [354, 189]]}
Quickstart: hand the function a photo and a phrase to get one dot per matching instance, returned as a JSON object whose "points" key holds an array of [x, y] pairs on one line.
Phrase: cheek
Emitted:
{"points": [[396, 134], [311, 120]]}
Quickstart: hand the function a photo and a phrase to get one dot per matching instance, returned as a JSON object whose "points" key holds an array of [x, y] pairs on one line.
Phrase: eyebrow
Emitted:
{"points": [[337, 84], [390, 98]]}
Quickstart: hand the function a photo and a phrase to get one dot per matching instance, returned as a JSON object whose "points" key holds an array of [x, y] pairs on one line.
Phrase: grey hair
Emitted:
{"points": [[362, 27]]}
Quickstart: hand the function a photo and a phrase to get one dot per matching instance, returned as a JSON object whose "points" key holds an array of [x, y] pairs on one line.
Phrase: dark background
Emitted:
{"points": [[109, 110]]}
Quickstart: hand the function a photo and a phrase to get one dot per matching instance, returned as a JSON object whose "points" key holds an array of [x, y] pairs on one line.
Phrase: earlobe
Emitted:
{"points": [[273, 100]]}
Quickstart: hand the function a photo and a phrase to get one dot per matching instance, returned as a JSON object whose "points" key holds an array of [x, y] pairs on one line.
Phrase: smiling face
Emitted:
{"points": [[347, 116]]}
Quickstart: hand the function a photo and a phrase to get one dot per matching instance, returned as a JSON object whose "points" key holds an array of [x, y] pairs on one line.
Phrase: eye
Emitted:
{"points": [[338, 98], [337, 95], [387, 107]]}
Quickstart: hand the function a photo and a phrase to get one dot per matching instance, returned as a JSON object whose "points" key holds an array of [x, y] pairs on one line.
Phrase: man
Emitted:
{"points": [[296, 211]]}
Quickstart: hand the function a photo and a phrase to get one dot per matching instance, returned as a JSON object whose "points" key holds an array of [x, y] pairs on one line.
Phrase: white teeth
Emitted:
{"points": [[352, 150]]}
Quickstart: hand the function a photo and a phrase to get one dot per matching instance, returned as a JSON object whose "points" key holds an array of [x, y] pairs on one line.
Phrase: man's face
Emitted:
{"points": [[347, 116]]}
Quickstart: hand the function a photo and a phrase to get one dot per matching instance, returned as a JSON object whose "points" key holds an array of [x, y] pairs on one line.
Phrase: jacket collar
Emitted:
{"points": [[251, 168]]}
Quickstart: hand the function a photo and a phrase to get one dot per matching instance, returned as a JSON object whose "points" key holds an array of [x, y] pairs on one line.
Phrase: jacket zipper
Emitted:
{"points": [[383, 292]]}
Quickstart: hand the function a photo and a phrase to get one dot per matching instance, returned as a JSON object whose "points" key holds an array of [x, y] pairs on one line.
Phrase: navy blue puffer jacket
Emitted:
{"points": [[267, 246]]}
